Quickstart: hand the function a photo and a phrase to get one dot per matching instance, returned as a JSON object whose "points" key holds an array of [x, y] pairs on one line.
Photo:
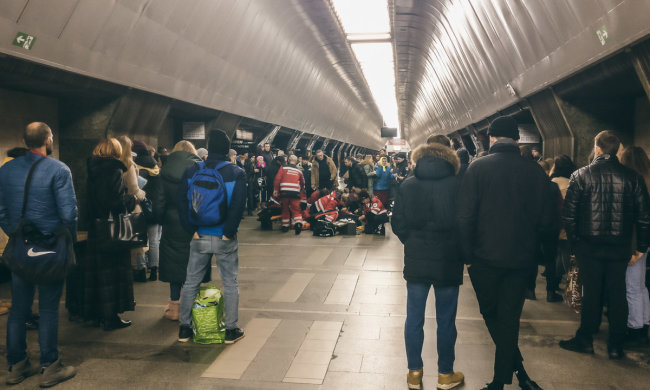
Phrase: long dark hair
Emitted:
{"points": [[563, 166]]}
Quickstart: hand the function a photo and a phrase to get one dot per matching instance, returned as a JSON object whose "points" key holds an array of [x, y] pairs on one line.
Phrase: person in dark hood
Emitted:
{"points": [[424, 221], [463, 156], [174, 241]]}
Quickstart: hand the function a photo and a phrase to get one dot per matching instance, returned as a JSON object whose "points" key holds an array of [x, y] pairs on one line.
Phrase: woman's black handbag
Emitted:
{"points": [[35, 257], [127, 231]]}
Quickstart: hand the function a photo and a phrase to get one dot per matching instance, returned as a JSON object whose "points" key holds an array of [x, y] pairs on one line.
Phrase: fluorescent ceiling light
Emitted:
{"points": [[368, 37], [363, 16], [376, 60], [366, 24]]}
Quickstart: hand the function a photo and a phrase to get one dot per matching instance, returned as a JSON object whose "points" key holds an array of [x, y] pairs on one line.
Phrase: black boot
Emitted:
{"points": [[530, 295], [153, 274], [115, 323], [524, 380], [140, 275]]}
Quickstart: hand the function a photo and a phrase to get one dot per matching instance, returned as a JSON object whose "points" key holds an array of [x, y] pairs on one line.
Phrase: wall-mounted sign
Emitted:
{"points": [[193, 130], [603, 35], [528, 134], [25, 41]]}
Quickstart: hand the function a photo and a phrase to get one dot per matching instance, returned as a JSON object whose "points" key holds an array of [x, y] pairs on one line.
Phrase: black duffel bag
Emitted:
{"points": [[35, 257]]}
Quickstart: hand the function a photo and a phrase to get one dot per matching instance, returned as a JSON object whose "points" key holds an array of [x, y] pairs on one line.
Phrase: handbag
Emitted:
{"points": [[574, 287], [35, 257], [126, 231]]}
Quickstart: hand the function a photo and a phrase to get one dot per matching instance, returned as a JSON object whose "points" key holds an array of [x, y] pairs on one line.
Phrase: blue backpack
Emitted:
{"points": [[207, 196]]}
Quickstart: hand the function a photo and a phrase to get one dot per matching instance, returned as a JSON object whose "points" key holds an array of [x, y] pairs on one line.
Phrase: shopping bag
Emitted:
{"points": [[573, 295], [207, 316]]}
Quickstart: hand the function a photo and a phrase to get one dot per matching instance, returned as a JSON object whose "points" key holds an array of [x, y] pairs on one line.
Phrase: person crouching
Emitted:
{"points": [[374, 214], [289, 184]]}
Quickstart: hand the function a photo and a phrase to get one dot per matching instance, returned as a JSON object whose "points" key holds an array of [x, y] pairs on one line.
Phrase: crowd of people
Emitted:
{"points": [[505, 214], [311, 192], [502, 215]]}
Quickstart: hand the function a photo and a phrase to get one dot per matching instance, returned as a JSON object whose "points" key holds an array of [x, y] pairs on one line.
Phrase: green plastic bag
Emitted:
{"points": [[207, 316]]}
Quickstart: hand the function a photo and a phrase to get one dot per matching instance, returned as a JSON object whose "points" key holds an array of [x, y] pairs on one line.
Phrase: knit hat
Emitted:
{"points": [[140, 148], [218, 142], [401, 155], [504, 126]]}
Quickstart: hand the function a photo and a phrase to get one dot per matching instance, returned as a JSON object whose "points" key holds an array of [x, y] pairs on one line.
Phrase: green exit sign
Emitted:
{"points": [[25, 41]]}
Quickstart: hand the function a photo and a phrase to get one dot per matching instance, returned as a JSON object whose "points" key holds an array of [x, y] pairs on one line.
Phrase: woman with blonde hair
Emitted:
{"points": [[638, 300], [131, 181], [175, 241], [107, 280]]}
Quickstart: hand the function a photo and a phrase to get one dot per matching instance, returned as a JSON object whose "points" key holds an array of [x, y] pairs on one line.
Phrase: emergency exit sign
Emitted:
{"points": [[25, 41]]}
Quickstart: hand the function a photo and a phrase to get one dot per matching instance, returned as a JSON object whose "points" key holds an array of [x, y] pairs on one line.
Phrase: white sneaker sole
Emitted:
{"points": [[415, 387], [234, 341], [449, 385], [184, 340]]}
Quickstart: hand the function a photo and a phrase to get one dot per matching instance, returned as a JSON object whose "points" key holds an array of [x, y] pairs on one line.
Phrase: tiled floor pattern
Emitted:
{"points": [[323, 313]]}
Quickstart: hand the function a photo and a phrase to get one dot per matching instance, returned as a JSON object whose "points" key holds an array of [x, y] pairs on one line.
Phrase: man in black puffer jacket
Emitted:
{"points": [[504, 213], [605, 205], [424, 220]]}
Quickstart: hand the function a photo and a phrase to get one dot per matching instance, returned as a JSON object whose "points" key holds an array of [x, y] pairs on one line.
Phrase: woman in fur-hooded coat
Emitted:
{"points": [[424, 217]]}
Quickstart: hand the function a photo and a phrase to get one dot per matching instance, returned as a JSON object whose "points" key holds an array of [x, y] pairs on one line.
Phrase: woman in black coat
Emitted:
{"points": [[175, 241], [107, 274], [423, 219]]}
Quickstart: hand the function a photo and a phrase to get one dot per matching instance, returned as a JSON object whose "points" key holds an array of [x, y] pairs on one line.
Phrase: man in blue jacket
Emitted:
{"points": [[51, 203], [220, 240]]}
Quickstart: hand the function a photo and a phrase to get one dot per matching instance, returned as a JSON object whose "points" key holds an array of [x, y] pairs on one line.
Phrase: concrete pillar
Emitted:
{"points": [[551, 121]]}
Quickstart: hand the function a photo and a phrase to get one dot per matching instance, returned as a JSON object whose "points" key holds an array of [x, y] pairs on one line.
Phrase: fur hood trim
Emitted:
{"points": [[438, 151]]}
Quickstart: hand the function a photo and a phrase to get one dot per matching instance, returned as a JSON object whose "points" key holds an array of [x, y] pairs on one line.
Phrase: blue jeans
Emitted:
{"points": [[638, 301], [151, 257], [22, 297], [446, 304], [153, 234], [201, 251]]}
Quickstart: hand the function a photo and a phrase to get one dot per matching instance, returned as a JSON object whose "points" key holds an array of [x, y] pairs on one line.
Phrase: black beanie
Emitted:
{"points": [[218, 142], [504, 126]]}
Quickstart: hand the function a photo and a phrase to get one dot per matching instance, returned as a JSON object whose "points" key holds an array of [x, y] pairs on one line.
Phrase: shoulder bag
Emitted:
{"points": [[35, 257]]}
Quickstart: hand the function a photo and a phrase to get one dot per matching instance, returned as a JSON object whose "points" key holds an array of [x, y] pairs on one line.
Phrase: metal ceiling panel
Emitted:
{"points": [[284, 62], [456, 57], [46, 16], [12, 9]]}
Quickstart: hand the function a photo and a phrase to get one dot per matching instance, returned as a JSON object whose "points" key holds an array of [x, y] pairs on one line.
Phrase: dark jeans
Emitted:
{"points": [[602, 278], [22, 297], [500, 294], [446, 304], [175, 291]]}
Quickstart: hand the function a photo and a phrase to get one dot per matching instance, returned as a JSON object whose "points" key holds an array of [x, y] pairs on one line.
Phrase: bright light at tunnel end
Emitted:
{"points": [[367, 27]]}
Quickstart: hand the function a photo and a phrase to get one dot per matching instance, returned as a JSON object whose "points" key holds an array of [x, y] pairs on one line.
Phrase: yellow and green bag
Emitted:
{"points": [[207, 316]]}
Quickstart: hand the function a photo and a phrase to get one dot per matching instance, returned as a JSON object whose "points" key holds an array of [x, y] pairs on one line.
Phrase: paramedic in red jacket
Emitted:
{"points": [[374, 214], [327, 207], [289, 185]]}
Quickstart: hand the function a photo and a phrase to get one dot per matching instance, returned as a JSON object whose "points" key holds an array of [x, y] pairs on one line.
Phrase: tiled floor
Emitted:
{"points": [[322, 313]]}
